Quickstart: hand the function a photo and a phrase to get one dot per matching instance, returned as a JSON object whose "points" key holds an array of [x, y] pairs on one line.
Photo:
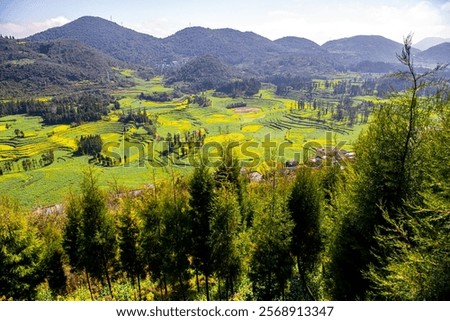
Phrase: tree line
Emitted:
{"points": [[62, 110]]}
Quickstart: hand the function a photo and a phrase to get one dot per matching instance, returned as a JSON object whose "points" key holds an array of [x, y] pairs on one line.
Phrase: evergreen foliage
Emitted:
{"points": [[201, 189], [271, 263], [131, 254], [20, 254], [305, 203], [225, 225]]}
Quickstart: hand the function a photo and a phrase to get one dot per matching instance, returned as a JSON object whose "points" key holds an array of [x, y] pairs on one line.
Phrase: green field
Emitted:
{"points": [[265, 118]]}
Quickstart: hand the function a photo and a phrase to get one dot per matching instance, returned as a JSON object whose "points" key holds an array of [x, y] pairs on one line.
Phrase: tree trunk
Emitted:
{"points": [[180, 280], [231, 286], [161, 282], [139, 286], [89, 285], [303, 279], [107, 278], [197, 281], [165, 285], [207, 286]]}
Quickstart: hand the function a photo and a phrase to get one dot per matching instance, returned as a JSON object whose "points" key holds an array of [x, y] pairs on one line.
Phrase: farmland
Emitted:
{"points": [[265, 118]]}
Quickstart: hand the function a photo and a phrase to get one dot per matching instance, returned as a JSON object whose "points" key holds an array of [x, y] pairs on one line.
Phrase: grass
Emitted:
{"points": [[266, 117]]}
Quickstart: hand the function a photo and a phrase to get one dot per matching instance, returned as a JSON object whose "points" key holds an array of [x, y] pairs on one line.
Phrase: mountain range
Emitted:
{"points": [[429, 42], [231, 46], [50, 67], [89, 46]]}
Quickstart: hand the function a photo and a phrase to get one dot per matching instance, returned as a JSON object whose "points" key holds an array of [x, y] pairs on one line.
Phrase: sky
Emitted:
{"points": [[316, 20]]}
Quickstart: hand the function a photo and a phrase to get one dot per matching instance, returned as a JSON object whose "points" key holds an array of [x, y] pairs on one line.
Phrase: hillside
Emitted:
{"points": [[429, 42], [302, 54], [251, 54], [231, 46], [437, 54], [50, 67], [354, 50], [300, 45], [119, 42], [201, 73]]}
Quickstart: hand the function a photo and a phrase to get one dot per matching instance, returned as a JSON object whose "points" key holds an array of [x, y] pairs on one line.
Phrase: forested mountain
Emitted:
{"points": [[300, 45], [437, 54], [429, 42], [48, 67], [249, 54], [303, 54], [202, 73], [231, 46], [354, 50], [252, 53], [119, 42]]}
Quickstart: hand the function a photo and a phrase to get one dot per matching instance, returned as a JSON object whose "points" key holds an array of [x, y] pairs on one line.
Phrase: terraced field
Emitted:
{"points": [[265, 119], [290, 120]]}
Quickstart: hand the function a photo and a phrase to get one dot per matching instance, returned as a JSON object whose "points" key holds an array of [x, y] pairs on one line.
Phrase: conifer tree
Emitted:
{"points": [[130, 245], [389, 176], [50, 231], [225, 225], [89, 235], [72, 236], [176, 239], [305, 208], [98, 231], [416, 237], [19, 255], [201, 188], [153, 251], [271, 261]]}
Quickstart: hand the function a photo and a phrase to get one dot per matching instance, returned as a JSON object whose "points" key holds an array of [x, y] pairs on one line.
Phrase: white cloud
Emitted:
{"points": [[22, 30], [446, 6], [327, 21], [160, 27]]}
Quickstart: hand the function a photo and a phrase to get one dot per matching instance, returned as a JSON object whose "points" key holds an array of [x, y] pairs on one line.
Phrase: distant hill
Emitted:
{"points": [[201, 73], [246, 52], [231, 46], [429, 42], [119, 42], [354, 50], [302, 54], [51, 67], [296, 44], [437, 54]]}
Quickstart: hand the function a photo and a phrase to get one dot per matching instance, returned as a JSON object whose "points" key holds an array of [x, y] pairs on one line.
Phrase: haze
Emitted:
{"points": [[318, 21]]}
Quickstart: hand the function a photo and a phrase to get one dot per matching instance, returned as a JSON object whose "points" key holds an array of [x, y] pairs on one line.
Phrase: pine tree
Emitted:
{"points": [[389, 176], [154, 253], [130, 245], [271, 261], [201, 188], [20, 270], [416, 237], [72, 235], [225, 225], [305, 208], [50, 231], [89, 235], [167, 238], [98, 231]]}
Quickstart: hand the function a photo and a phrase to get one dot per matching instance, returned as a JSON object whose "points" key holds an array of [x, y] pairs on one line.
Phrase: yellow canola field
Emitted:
{"points": [[251, 128]]}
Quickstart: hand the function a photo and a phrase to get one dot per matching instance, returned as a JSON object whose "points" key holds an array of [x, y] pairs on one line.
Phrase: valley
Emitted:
{"points": [[287, 123], [216, 164]]}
